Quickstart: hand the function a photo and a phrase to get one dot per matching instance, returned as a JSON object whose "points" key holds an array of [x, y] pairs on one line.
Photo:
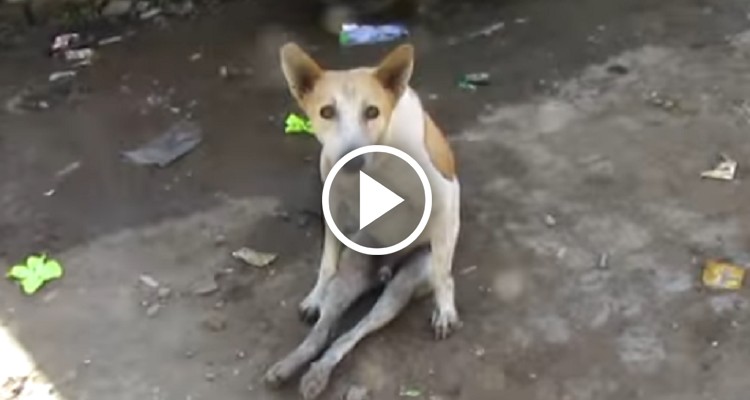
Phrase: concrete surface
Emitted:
{"points": [[569, 154]]}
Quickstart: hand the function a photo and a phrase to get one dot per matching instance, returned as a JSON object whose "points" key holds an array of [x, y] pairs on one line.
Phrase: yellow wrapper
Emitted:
{"points": [[723, 275]]}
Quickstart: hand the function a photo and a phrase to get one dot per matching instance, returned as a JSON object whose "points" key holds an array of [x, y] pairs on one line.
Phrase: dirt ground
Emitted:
{"points": [[589, 141]]}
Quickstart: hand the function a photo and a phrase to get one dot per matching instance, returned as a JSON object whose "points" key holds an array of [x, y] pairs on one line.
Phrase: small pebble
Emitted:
{"points": [[149, 281], [561, 252], [220, 240], [549, 220], [164, 292], [189, 354], [215, 323], [254, 258], [210, 376], [357, 393], [220, 304], [241, 355], [206, 287], [603, 261], [152, 310]]}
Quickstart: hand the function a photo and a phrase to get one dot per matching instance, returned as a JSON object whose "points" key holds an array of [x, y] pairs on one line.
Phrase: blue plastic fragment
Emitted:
{"points": [[355, 34]]}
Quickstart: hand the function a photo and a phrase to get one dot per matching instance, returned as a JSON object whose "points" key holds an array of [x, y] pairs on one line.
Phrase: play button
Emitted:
{"points": [[381, 207], [374, 200]]}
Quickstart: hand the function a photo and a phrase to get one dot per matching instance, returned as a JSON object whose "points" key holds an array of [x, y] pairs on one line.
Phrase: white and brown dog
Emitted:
{"points": [[350, 109]]}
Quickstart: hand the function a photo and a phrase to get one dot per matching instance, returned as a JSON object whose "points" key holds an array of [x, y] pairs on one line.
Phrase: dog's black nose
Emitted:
{"points": [[355, 164]]}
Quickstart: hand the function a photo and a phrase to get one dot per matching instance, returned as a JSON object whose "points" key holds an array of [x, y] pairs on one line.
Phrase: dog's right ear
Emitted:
{"points": [[300, 70]]}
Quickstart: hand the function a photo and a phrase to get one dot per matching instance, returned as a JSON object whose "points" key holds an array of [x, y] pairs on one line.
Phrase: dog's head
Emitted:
{"points": [[351, 108]]}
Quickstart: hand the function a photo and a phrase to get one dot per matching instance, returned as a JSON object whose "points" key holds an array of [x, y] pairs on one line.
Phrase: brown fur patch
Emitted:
{"points": [[438, 148]]}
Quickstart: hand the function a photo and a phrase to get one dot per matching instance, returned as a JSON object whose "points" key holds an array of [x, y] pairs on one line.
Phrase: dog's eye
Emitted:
{"points": [[371, 112], [327, 111]]}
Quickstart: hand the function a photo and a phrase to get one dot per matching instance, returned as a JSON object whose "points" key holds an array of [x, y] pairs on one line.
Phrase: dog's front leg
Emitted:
{"points": [[443, 242], [310, 306]]}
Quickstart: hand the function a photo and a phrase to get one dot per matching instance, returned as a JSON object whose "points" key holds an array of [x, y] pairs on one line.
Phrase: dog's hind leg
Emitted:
{"points": [[408, 282], [353, 278]]}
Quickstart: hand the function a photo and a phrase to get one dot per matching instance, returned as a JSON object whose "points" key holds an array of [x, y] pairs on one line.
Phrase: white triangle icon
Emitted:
{"points": [[374, 200]]}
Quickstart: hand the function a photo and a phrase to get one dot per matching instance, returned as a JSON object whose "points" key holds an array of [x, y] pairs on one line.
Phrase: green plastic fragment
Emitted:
{"points": [[37, 271], [297, 124]]}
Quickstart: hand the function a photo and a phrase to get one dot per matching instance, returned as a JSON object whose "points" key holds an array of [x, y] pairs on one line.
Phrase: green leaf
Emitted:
{"points": [[34, 263], [31, 284], [19, 272], [50, 270]]}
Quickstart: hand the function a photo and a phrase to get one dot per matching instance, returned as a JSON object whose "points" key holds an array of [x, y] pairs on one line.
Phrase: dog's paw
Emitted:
{"points": [[309, 310], [308, 314], [444, 322], [315, 381], [277, 375]]}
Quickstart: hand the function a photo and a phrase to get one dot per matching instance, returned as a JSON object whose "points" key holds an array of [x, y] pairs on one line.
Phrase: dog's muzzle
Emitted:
{"points": [[355, 164]]}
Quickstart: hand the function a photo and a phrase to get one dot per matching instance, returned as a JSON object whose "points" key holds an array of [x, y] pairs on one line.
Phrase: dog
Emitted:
{"points": [[349, 109]]}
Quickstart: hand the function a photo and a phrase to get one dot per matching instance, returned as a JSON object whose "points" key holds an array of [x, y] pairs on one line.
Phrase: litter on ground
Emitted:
{"points": [[68, 169], [83, 56], [474, 80], [723, 275], [178, 140], [57, 75], [65, 41], [110, 40], [254, 257], [488, 30], [355, 34], [725, 170], [410, 393], [297, 124]]}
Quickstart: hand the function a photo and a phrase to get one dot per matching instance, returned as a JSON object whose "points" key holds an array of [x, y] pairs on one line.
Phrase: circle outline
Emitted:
{"points": [[377, 251]]}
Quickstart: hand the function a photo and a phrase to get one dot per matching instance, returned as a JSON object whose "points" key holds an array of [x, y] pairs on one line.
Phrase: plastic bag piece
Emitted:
{"points": [[177, 141]]}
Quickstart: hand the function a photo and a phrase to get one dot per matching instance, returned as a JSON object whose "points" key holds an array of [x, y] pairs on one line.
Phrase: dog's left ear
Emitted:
{"points": [[394, 72]]}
